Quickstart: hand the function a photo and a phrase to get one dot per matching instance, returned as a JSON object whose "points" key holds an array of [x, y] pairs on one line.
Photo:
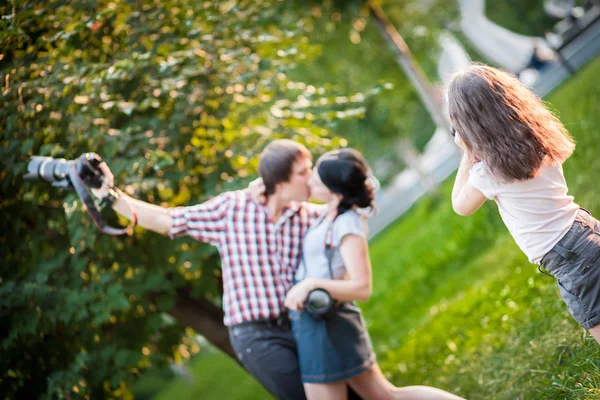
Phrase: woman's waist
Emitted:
{"points": [[340, 307]]}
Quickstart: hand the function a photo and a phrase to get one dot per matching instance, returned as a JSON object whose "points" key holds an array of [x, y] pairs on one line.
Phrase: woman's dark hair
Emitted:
{"points": [[505, 125], [346, 172]]}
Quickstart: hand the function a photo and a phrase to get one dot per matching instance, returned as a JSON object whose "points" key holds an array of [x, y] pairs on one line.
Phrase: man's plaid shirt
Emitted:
{"points": [[258, 257]]}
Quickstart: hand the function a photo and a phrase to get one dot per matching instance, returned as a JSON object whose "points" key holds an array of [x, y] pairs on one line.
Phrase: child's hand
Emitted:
{"points": [[458, 141], [472, 159]]}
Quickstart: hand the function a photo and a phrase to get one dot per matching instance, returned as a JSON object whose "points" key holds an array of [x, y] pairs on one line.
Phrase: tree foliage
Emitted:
{"points": [[354, 55], [177, 96]]}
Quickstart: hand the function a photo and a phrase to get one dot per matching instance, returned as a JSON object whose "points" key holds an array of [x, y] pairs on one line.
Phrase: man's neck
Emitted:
{"points": [[276, 206]]}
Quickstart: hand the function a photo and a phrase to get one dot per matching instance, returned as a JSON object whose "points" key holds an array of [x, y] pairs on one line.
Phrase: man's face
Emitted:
{"points": [[318, 190], [297, 189]]}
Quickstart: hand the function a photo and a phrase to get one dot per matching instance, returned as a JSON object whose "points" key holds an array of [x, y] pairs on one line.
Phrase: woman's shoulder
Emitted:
{"points": [[349, 216], [350, 222]]}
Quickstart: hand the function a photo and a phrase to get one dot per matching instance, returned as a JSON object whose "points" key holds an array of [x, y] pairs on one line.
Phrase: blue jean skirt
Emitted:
{"points": [[575, 263], [332, 350]]}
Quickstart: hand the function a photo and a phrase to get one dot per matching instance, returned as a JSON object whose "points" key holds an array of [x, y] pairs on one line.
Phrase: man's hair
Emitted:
{"points": [[276, 162], [505, 125]]}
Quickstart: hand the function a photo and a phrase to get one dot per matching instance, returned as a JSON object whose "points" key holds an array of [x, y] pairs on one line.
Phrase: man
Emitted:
{"points": [[260, 248]]}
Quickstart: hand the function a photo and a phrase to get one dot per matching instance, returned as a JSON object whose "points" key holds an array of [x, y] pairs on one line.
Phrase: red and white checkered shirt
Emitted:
{"points": [[258, 257]]}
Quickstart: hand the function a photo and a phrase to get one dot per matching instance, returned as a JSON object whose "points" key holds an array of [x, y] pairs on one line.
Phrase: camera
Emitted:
{"points": [[320, 304], [80, 174], [57, 170]]}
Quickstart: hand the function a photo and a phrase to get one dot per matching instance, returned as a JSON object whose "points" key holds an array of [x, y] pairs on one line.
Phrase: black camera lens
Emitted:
{"points": [[54, 170], [318, 302]]}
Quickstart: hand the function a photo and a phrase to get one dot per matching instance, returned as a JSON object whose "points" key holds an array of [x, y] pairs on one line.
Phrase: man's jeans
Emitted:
{"points": [[269, 353]]}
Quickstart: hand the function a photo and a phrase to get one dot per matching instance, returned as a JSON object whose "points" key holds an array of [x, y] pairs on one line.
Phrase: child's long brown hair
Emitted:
{"points": [[505, 124]]}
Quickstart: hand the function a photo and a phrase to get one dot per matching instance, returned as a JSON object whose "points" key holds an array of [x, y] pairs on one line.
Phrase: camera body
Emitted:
{"points": [[320, 304], [80, 175], [56, 170]]}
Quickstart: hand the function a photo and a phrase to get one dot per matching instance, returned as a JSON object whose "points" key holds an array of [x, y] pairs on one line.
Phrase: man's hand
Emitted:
{"points": [[296, 296], [108, 182], [257, 191]]}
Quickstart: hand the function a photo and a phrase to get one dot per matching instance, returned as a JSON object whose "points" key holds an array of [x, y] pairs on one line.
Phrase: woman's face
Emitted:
{"points": [[318, 190]]}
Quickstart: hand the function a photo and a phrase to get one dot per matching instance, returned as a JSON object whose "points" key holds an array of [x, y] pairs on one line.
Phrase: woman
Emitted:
{"points": [[335, 350]]}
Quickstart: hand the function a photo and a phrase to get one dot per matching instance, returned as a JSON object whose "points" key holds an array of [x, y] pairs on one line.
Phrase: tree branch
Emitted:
{"points": [[205, 318]]}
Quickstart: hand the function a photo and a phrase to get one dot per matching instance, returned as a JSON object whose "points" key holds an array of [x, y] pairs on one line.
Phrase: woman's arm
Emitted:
{"points": [[355, 253]]}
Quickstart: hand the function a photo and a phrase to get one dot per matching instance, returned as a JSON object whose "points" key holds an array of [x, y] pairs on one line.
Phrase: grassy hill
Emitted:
{"points": [[456, 304]]}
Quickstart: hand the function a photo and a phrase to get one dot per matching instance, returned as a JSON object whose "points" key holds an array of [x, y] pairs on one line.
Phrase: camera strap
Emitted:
{"points": [[328, 248], [85, 197]]}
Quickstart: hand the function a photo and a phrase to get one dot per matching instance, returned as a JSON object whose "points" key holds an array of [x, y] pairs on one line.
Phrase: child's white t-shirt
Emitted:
{"points": [[537, 212]]}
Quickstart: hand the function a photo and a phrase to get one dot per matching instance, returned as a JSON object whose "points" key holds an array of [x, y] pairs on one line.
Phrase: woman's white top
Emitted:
{"points": [[315, 263]]}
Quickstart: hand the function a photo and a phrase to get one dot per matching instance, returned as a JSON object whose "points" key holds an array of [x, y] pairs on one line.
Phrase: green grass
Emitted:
{"points": [[213, 376], [456, 304], [526, 17], [532, 19]]}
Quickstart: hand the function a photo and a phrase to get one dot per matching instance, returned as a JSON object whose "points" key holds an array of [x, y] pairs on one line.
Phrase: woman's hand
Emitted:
{"points": [[108, 182], [296, 296], [257, 191]]}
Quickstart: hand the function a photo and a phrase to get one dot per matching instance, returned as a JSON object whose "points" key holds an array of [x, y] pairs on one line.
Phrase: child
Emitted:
{"points": [[513, 153]]}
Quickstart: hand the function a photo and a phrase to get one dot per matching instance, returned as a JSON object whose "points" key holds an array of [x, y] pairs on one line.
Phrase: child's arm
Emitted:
{"points": [[355, 253], [465, 198]]}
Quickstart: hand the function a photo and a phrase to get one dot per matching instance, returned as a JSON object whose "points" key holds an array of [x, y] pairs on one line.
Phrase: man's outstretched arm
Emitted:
{"points": [[204, 222], [149, 216]]}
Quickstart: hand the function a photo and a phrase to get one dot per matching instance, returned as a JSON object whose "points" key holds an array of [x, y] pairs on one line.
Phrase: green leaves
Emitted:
{"points": [[178, 97]]}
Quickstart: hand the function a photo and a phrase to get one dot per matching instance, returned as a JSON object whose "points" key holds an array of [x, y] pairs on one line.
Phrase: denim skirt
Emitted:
{"points": [[335, 349], [575, 263]]}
